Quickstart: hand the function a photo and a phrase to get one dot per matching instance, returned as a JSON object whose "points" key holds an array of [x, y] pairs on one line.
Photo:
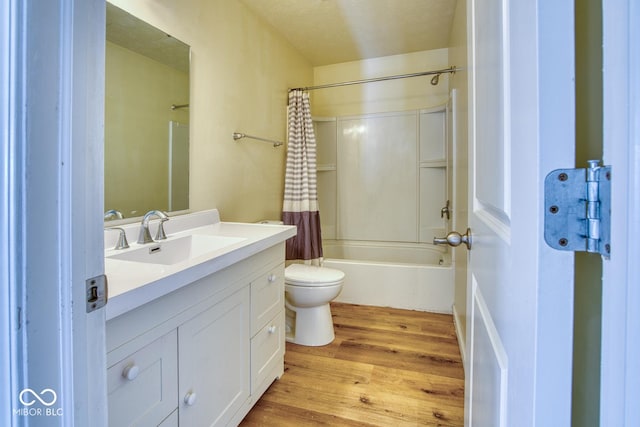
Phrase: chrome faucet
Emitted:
{"points": [[113, 214], [145, 236]]}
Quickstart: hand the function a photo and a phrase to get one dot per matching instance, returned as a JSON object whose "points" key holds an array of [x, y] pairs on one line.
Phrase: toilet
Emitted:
{"points": [[308, 291]]}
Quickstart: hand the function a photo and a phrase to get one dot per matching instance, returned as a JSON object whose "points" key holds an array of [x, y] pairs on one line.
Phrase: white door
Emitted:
{"points": [[620, 370], [520, 291]]}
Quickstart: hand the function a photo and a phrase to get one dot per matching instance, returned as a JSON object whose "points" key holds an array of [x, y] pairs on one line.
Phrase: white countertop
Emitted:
{"points": [[133, 284]]}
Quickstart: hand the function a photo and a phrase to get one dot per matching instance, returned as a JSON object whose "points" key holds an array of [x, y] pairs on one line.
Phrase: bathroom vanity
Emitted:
{"points": [[195, 338]]}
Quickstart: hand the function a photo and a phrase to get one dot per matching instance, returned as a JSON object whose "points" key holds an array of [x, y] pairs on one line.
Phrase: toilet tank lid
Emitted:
{"points": [[303, 274]]}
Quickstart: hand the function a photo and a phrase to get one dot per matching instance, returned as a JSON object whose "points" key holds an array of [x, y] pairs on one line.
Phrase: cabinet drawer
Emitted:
{"points": [[143, 387], [267, 352], [267, 297]]}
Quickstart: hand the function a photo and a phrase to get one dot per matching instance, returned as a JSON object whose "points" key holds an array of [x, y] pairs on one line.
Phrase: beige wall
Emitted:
{"points": [[240, 73], [395, 95], [458, 56], [138, 94]]}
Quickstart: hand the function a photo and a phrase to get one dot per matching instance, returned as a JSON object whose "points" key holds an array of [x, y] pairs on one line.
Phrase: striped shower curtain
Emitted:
{"points": [[300, 207]]}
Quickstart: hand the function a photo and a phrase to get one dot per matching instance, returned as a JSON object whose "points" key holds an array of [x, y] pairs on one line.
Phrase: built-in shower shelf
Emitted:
{"points": [[438, 163], [326, 168]]}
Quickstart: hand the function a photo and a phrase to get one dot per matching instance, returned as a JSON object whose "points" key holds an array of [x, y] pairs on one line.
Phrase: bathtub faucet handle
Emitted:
{"points": [[445, 211], [454, 239]]}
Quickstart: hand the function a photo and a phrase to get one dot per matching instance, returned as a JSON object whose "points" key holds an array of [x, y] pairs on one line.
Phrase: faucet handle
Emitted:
{"points": [[160, 235], [122, 238]]}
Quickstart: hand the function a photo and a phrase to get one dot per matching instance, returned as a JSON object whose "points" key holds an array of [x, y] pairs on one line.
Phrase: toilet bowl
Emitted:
{"points": [[308, 291]]}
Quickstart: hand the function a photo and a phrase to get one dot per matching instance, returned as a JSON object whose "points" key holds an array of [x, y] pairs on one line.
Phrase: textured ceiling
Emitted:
{"points": [[334, 31]]}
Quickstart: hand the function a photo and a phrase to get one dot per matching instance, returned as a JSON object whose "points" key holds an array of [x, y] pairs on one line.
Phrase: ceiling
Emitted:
{"points": [[134, 34], [334, 31]]}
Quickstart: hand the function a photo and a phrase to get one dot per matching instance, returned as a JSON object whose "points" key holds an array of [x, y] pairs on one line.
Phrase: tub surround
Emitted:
{"points": [[133, 284]]}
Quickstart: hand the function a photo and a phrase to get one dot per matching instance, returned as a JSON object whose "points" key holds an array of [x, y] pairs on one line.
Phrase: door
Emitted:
{"points": [[519, 292]]}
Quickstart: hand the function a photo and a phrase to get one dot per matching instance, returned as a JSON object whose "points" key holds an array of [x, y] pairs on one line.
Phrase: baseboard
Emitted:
{"points": [[462, 344]]}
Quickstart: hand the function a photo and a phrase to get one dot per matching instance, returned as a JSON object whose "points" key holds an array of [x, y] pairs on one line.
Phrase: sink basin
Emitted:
{"points": [[178, 250]]}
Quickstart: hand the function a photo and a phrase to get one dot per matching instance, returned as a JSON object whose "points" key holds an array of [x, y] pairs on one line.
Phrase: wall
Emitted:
{"points": [[458, 57], [394, 95], [240, 72], [588, 267], [138, 94]]}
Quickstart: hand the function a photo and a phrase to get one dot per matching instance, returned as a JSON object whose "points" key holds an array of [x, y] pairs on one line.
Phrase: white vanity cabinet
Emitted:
{"points": [[201, 355]]}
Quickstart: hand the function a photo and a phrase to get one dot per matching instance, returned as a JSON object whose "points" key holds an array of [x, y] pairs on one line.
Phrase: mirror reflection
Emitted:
{"points": [[146, 118]]}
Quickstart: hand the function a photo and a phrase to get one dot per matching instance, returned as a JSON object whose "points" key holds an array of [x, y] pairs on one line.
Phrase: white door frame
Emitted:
{"points": [[52, 68], [620, 371], [9, 360]]}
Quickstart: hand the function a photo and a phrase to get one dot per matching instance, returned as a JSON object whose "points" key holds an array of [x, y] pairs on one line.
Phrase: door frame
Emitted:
{"points": [[620, 372], [52, 66]]}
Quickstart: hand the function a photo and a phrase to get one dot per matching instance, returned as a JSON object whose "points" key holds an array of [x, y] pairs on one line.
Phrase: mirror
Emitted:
{"points": [[146, 118]]}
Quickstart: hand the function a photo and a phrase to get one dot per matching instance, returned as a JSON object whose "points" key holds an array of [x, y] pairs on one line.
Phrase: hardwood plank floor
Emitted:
{"points": [[386, 367]]}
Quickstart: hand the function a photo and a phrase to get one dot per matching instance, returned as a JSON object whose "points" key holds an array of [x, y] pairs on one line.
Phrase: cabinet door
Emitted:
{"points": [[143, 387], [214, 362]]}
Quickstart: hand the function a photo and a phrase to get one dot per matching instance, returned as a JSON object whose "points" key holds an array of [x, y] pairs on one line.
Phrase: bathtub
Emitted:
{"points": [[409, 276]]}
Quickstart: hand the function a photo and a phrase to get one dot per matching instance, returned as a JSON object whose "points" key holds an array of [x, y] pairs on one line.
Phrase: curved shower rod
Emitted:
{"points": [[434, 81], [238, 135]]}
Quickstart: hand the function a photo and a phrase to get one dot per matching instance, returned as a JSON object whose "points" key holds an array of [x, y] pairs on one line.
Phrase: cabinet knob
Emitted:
{"points": [[190, 398], [272, 329], [272, 278], [131, 372]]}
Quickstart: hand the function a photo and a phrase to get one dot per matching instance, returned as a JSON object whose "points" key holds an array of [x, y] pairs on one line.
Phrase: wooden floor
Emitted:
{"points": [[386, 367]]}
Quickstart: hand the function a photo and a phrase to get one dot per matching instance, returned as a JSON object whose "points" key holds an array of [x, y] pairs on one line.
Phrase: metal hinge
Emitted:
{"points": [[577, 205], [97, 292]]}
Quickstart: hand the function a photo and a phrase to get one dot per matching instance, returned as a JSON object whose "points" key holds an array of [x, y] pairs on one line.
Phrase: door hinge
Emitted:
{"points": [[577, 204], [97, 292]]}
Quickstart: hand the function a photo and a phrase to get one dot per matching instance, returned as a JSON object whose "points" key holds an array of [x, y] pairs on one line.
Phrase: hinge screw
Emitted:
{"points": [[607, 248], [608, 175], [554, 209], [563, 176], [563, 242]]}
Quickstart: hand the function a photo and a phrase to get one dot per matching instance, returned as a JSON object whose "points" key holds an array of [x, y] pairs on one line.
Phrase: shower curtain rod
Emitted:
{"points": [[434, 81]]}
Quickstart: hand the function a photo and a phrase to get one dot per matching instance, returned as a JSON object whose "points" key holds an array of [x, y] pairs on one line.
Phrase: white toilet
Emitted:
{"points": [[308, 291]]}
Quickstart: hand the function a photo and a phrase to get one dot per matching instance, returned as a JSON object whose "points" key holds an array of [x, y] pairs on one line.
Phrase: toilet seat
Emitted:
{"points": [[312, 275]]}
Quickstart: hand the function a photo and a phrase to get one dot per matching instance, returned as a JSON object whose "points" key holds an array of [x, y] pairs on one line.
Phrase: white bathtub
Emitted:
{"points": [[409, 276]]}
